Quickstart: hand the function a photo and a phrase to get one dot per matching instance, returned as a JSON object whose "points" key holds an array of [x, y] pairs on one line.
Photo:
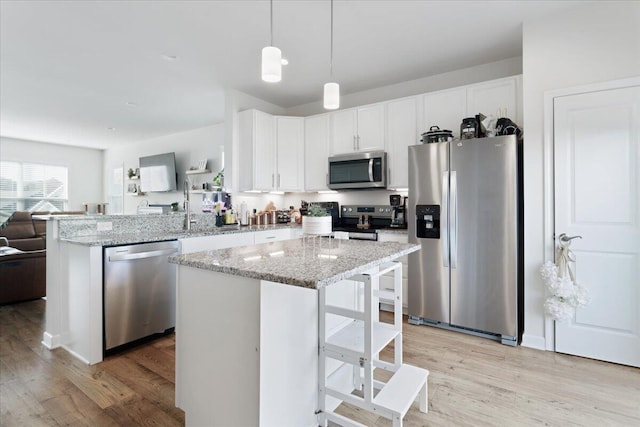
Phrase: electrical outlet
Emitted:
{"points": [[105, 226]]}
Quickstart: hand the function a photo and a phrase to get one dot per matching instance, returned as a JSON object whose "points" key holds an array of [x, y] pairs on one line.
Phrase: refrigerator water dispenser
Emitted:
{"points": [[428, 221]]}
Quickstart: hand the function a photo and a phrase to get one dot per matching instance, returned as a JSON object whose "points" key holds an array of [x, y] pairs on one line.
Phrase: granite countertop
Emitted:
{"points": [[306, 262], [146, 236]]}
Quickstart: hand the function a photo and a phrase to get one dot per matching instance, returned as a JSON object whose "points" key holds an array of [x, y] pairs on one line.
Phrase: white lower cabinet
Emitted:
{"points": [[232, 240], [209, 243], [386, 281]]}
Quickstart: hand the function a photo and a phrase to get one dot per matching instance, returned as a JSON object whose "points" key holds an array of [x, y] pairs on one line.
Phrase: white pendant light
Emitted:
{"points": [[271, 59], [331, 96], [331, 90]]}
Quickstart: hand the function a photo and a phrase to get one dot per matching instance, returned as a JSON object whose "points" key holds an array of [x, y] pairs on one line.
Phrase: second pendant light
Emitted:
{"points": [[332, 89]]}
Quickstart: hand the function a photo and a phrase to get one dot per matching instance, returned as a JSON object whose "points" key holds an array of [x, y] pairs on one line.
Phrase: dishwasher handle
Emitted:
{"points": [[143, 255]]}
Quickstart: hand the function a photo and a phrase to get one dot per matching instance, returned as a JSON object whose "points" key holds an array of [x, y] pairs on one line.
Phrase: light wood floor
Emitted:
{"points": [[473, 381]]}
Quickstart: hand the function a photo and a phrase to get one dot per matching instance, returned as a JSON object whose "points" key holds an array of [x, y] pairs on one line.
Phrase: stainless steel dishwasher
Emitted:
{"points": [[139, 291]]}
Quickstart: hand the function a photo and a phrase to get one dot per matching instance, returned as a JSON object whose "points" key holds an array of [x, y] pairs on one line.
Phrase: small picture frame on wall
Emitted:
{"points": [[202, 164]]}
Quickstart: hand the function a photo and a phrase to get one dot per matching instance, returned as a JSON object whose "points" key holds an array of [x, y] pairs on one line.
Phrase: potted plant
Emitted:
{"points": [[317, 220], [218, 180]]}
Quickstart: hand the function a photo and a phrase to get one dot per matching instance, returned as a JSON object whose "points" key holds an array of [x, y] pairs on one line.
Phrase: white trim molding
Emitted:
{"points": [[548, 185]]}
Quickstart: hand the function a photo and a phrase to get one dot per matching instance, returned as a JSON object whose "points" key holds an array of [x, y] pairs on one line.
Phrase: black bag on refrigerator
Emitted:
{"points": [[505, 126]]}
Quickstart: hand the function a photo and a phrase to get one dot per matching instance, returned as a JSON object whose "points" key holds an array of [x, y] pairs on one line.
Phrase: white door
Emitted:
{"points": [[402, 132], [445, 109], [290, 153], [490, 97], [343, 131], [264, 151], [370, 128], [316, 152], [597, 196]]}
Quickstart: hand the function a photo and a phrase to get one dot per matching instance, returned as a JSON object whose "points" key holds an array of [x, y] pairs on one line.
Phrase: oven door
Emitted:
{"points": [[358, 170]]}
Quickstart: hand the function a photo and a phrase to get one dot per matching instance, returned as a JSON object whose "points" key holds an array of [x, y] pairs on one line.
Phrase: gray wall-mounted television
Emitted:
{"points": [[158, 173]]}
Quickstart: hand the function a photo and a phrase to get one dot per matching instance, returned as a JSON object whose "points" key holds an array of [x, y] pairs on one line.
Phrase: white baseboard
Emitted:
{"points": [[51, 341], [533, 341], [73, 353]]}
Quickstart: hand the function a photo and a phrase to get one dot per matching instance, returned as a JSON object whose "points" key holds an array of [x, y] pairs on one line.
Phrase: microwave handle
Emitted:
{"points": [[370, 170]]}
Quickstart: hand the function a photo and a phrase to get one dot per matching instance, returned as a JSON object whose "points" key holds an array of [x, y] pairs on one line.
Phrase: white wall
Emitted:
{"points": [[465, 76], [189, 147], [594, 43], [84, 166]]}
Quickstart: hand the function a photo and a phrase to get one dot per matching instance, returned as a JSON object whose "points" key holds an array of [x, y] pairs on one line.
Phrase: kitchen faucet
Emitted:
{"points": [[187, 207]]}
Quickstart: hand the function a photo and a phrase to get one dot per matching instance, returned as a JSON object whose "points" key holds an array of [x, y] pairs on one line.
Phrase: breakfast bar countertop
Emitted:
{"points": [[145, 236], [310, 262]]}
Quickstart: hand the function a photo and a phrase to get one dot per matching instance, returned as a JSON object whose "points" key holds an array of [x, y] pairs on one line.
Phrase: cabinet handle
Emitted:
{"points": [[273, 182], [358, 144], [278, 180], [354, 142], [326, 181]]}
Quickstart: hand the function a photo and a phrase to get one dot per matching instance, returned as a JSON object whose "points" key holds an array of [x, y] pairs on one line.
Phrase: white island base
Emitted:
{"points": [[247, 350]]}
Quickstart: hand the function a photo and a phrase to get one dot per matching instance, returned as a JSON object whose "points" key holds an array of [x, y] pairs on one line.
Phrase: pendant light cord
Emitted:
{"points": [[331, 55], [271, 22]]}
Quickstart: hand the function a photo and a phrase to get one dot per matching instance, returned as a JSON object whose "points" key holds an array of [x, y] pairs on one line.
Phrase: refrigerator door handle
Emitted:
{"points": [[444, 219], [454, 220]]}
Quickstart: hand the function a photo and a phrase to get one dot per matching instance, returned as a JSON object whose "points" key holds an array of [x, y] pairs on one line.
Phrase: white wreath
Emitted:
{"points": [[564, 294]]}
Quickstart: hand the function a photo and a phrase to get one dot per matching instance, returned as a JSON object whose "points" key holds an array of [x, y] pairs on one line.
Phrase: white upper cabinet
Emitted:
{"points": [[495, 97], [447, 108], [271, 152], [290, 153], [344, 130], [357, 129], [402, 131], [370, 128], [444, 109], [316, 152]]}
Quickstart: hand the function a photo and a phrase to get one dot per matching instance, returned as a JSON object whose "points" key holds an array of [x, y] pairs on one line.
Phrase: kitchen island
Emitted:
{"points": [[75, 266], [254, 360]]}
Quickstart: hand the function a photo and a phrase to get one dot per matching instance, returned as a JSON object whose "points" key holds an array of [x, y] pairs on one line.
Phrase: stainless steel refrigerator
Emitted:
{"points": [[465, 211]]}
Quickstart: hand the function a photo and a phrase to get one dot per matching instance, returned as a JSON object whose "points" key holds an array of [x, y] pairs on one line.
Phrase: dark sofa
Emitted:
{"points": [[22, 275]]}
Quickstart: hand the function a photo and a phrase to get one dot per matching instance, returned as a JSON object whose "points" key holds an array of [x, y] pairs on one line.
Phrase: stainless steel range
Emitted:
{"points": [[363, 221]]}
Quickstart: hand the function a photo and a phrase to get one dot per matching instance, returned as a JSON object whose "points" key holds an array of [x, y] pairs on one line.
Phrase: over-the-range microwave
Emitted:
{"points": [[358, 170]]}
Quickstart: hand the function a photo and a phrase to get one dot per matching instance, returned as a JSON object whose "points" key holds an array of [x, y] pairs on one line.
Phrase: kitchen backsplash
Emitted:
{"points": [[283, 201]]}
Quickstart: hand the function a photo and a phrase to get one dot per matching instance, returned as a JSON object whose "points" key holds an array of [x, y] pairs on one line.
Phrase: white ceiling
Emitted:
{"points": [[68, 68]]}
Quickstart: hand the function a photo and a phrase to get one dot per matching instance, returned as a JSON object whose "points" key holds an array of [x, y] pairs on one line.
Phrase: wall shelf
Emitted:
{"points": [[198, 171]]}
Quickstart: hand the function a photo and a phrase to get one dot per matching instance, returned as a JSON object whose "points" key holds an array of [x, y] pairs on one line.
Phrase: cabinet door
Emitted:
{"points": [[445, 109], [402, 131], [290, 153], [343, 132], [487, 98], [316, 152], [370, 134], [264, 149]]}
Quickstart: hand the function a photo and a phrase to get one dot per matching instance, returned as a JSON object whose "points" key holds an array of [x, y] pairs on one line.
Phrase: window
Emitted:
{"points": [[32, 187]]}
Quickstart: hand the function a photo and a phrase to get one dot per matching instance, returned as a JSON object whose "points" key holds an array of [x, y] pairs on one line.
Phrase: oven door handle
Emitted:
{"points": [[370, 170]]}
